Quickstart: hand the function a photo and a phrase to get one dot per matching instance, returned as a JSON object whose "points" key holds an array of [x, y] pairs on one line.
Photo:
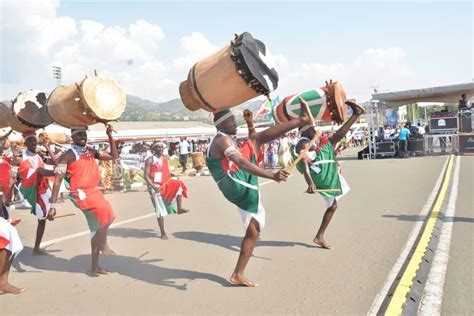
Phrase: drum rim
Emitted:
{"points": [[336, 109], [243, 69], [90, 108]]}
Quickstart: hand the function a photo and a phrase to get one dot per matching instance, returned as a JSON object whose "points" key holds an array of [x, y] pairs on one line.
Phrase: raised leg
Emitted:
{"points": [[278, 130], [179, 201], [342, 131]]}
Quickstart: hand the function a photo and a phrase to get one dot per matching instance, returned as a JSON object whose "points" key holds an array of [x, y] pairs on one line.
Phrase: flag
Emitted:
{"points": [[265, 108]]}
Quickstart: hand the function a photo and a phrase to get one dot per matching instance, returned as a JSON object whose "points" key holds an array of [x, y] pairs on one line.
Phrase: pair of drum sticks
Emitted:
{"points": [[302, 154]]}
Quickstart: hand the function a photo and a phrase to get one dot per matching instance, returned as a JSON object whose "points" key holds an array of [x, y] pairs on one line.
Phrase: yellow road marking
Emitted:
{"points": [[400, 296]]}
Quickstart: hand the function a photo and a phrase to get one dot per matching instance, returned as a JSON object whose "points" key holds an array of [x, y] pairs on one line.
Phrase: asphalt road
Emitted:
{"points": [[188, 273]]}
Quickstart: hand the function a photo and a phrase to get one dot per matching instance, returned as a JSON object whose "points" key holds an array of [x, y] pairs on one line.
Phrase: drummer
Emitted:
{"points": [[321, 170], [165, 193], [34, 184], [236, 175], [79, 169]]}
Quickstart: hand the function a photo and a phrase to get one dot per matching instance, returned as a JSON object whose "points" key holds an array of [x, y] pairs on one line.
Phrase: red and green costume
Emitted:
{"points": [[82, 178], [164, 201], [238, 186], [324, 169], [34, 187]]}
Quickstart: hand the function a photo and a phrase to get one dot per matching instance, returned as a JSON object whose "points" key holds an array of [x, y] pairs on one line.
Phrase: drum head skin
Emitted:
{"points": [[30, 108], [336, 100], [104, 97], [254, 63]]}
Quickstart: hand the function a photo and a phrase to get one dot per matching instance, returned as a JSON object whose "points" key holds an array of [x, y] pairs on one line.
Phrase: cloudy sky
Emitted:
{"points": [[149, 46]]}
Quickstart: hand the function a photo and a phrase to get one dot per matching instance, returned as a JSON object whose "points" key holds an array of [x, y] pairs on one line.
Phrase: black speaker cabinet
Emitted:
{"points": [[466, 143], [465, 121], [443, 124]]}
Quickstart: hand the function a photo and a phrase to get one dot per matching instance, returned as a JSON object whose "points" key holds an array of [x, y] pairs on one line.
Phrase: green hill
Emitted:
{"points": [[174, 110]]}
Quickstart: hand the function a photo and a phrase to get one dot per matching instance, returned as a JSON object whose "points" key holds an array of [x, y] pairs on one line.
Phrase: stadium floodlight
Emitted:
{"points": [[57, 74]]}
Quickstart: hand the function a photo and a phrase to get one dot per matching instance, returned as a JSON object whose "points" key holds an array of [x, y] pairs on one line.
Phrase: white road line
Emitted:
{"points": [[409, 244], [131, 220], [433, 293]]}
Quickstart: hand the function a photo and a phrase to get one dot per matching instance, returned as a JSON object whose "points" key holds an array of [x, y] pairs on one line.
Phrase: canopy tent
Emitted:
{"points": [[451, 93]]}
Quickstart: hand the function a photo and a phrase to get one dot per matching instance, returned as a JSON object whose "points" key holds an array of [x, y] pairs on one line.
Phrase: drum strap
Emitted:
{"points": [[199, 93]]}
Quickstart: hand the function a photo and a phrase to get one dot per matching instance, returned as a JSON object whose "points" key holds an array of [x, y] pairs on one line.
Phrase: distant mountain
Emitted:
{"points": [[139, 109]]}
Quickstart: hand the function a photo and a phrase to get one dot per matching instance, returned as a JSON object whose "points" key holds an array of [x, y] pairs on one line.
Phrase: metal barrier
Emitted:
{"points": [[440, 143]]}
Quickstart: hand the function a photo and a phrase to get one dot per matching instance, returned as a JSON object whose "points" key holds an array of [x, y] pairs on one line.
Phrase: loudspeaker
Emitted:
{"points": [[465, 121], [442, 124], [466, 143], [385, 149], [416, 146]]}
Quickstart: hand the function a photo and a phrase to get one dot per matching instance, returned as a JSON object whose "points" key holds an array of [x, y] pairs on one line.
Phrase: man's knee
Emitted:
{"points": [[333, 207], [253, 229]]}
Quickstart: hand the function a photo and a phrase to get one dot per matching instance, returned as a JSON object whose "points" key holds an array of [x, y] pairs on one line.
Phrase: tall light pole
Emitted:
{"points": [[57, 74]]}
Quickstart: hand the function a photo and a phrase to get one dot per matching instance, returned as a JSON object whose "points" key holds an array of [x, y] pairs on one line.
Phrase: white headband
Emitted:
{"points": [[223, 118], [77, 131]]}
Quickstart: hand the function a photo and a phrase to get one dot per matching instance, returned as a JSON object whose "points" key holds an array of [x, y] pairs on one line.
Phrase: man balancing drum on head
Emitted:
{"points": [[79, 169], [236, 175], [164, 191], [321, 170]]}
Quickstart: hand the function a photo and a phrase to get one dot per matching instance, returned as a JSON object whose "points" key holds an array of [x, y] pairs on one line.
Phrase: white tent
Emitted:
{"points": [[451, 93]]}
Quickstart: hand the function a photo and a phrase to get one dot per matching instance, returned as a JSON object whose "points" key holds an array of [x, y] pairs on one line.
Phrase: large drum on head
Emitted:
{"points": [[198, 160], [238, 72], [28, 111], [97, 99], [326, 104]]}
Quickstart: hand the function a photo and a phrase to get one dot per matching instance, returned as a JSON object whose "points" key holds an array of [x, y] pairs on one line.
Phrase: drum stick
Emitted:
{"points": [[302, 154], [325, 190], [60, 215]]}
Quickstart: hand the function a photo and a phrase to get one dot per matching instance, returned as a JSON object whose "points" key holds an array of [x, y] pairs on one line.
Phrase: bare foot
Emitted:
{"points": [[182, 211], [356, 108], [321, 242], [99, 271], [107, 251], [240, 280], [10, 289], [40, 252], [164, 237]]}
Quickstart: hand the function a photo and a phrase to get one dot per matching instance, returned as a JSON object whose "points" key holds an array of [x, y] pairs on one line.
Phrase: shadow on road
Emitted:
{"points": [[418, 218], [135, 268], [133, 233], [233, 242]]}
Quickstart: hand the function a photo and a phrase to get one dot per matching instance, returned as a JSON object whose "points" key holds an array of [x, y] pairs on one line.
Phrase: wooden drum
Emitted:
{"points": [[237, 73], [27, 112], [326, 104], [97, 99], [198, 160]]}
